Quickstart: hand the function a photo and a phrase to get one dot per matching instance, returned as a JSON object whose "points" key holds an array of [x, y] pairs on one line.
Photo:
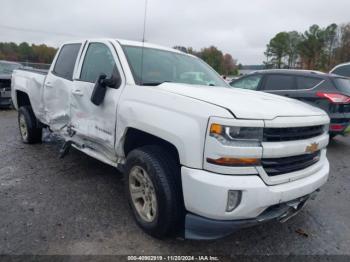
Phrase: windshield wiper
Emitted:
{"points": [[154, 83]]}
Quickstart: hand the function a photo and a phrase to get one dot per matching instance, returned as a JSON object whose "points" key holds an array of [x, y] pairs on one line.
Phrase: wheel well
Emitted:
{"points": [[135, 138], [22, 99]]}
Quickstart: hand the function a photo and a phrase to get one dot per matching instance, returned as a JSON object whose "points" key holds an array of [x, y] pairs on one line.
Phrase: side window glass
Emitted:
{"points": [[66, 61], [279, 82], [343, 71], [307, 82], [98, 60], [250, 82]]}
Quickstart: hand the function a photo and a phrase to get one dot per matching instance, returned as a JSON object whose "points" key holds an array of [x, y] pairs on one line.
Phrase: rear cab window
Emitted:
{"points": [[279, 82], [65, 62]]}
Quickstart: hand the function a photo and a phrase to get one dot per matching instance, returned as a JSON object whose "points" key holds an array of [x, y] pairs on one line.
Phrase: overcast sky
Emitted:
{"points": [[241, 28]]}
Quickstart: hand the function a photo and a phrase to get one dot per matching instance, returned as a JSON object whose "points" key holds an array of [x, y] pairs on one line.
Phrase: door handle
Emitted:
{"points": [[77, 92], [48, 84]]}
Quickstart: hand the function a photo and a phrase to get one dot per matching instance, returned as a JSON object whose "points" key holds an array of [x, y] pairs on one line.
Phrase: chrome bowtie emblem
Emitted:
{"points": [[311, 148]]}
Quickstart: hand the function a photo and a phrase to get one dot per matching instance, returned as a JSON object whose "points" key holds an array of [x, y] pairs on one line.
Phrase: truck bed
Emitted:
{"points": [[34, 70]]}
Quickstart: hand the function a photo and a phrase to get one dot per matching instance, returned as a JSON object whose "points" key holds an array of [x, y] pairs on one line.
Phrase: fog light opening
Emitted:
{"points": [[233, 199]]}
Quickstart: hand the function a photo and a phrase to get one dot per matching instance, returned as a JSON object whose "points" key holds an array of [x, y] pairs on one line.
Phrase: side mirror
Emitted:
{"points": [[100, 88]]}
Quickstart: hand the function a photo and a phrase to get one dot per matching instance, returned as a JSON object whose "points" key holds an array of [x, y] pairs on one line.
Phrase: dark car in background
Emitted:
{"points": [[327, 91], [342, 70], [6, 69]]}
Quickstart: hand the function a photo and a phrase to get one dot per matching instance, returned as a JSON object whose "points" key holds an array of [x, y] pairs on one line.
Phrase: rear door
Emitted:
{"points": [[308, 86], [301, 87], [280, 84], [58, 86], [96, 125]]}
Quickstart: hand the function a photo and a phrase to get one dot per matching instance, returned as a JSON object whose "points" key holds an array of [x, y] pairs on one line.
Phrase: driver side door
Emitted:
{"points": [[95, 125]]}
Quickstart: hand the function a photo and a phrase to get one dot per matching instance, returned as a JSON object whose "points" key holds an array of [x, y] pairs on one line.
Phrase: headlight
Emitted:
{"points": [[237, 136]]}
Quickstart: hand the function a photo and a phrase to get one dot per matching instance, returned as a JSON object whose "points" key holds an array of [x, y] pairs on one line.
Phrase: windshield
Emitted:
{"points": [[161, 66], [7, 68]]}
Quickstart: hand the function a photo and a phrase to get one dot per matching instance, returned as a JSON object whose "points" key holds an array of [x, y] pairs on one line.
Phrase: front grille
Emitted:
{"points": [[278, 166], [5, 84], [292, 133]]}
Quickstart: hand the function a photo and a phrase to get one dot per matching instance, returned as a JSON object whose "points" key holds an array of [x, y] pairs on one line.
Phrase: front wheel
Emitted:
{"points": [[27, 123], [152, 180]]}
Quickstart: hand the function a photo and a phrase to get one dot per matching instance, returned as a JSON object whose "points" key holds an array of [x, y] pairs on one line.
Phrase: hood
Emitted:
{"points": [[245, 104]]}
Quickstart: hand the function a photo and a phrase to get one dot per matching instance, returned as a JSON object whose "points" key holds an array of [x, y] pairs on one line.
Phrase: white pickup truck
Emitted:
{"points": [[199, 158]]}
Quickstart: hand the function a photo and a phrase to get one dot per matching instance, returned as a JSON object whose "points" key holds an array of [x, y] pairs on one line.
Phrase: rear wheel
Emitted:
{"points": [[29, 131], [152, 181]]}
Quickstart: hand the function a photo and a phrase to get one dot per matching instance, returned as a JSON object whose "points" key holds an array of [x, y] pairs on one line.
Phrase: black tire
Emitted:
{"points": [[332, 136], [33, 132], [164, 172]]}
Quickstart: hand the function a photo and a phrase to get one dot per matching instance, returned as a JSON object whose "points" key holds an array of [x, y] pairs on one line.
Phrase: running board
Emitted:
{"points": [[96, 155]]}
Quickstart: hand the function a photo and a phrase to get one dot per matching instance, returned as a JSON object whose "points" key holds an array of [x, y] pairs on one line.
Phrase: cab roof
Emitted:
{"points": [[131, 43], [148, 45]]}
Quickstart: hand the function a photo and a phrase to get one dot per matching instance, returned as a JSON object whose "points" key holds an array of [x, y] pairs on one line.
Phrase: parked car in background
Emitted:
{"points": [[6, 69], [229, 79], [326, 91], [342, 70]]}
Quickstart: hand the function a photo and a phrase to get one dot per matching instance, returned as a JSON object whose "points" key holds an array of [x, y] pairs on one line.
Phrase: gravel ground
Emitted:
{"points": [[77, 205]]}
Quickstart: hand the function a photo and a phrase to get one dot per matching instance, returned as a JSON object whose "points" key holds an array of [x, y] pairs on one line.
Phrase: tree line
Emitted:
{"points": [[318, 48], [224, 64], [25, 52]]}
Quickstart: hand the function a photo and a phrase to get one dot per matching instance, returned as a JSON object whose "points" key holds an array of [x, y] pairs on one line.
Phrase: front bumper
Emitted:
{"points": [[5, 98], [205, 195], [5, 101], [197, 227]]}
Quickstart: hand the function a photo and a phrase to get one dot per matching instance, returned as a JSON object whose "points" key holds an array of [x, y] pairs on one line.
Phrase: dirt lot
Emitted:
{"points": [[77, 206]]}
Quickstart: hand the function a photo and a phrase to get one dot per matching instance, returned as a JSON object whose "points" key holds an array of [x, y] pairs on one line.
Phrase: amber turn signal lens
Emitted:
{"points": [[216, 129], [227, 161]]}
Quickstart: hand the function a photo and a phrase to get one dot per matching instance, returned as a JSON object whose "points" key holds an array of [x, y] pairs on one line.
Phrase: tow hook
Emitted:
{"points": [[294, 208], [314, 194]]}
